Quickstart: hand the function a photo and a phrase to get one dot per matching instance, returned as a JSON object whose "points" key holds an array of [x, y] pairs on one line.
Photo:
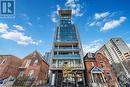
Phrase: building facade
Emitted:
{"points": [[116, 50], [9, 66], [47, 56], [66, 64], [33, 71], [118, 54], [98, 71]]}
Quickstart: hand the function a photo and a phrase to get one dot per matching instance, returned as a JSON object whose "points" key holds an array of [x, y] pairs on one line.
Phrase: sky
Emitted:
{"points": [[35, 21]]}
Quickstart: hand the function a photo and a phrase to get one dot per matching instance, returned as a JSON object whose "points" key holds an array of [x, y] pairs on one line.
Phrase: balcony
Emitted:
{"points": [[60, 67], [66, 48], [66, 42], [22, 68], [67, 56]]}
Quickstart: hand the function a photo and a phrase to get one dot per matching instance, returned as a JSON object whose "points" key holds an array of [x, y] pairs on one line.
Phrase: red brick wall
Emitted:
{"points": [[10, 67], [96, 62], [107, 69]]}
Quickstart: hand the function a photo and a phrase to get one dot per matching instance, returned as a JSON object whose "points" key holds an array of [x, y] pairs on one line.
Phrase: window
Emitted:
{"points": [[21, 73], [65, 62], [28, 63], [3, 61], [102, 64], [77, 62], [31, 72], [92, 63], [109, 76], [59, 62], [36, 61]]}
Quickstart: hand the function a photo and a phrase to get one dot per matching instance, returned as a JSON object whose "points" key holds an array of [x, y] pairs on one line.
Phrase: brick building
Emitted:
{"points": [[33, 71], [9, 66], [98, 71]]}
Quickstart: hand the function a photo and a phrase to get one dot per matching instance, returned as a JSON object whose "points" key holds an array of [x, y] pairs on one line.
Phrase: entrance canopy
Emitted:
{"points": [[96, 70]]}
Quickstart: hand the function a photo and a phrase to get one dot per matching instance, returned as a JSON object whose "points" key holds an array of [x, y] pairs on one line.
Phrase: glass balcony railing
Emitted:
{"points": [[66, 41], [67, 48], [66, 56], [60, 66]]}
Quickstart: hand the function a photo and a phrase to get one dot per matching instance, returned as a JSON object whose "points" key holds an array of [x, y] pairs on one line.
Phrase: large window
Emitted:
{"points": [[66, 32]]}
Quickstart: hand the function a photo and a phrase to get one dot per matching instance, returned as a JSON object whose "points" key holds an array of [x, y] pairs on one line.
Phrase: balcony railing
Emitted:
{"points": [[66, 40], [67, 48], [60, 66], [66, 56]]}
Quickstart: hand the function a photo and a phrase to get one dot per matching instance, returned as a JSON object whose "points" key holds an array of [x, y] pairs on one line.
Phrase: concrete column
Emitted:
{"points": [[58, 46], [103, 78], [53, 79], [83, 77], [56, 63], [72, 46], [92, 77]]}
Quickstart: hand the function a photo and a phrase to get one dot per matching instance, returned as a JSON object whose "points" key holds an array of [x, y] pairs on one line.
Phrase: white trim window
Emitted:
{"points": [[31, 72], [21, 73], [36, 61], [28, 63], [3, 62]]}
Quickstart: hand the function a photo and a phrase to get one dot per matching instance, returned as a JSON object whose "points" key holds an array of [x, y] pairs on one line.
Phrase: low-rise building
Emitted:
{"points": [[118, 53], [9, 65], [9, 68], [33, 71], [98, 71]]}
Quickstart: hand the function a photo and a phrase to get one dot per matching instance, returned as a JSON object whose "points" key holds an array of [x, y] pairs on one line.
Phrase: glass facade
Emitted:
{"points": [[66, 50], [66, 30]]}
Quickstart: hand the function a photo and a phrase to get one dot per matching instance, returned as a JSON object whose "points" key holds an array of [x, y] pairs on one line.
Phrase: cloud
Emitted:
{"points": [[71, 4], [27, 19], [18, 27], [29, 23], [54, 17], [75, 6], [3, 27], [99, 18], [16, 35], [92, 24], [92, 46], [58, 7], [112, 24], [128, 45], [101, 15], [105, 21], [95, 23]]}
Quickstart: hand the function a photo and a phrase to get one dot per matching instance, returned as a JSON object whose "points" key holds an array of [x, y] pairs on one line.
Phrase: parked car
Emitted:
{"points": [[7, 81], [1, 82]]}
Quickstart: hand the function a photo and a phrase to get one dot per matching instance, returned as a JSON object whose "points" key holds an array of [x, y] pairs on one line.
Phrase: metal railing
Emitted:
{"points": [[67, 48], [60, 66], [66, 56]]}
